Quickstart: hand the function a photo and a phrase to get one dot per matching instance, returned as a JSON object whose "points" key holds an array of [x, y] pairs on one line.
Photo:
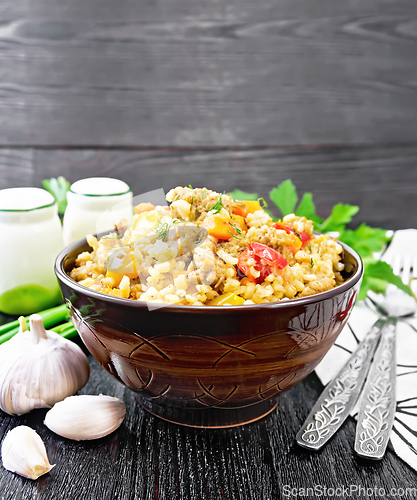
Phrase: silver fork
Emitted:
{"points": [[340, 395], [377, 401]]}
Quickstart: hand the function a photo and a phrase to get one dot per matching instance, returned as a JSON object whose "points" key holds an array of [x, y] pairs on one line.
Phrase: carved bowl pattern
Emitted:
{"points": [[208, 366]]}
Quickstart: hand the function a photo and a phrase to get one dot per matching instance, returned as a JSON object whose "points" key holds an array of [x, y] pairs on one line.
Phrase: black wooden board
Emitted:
{"points": [[147, 458], [382, 180], [187, 73]]}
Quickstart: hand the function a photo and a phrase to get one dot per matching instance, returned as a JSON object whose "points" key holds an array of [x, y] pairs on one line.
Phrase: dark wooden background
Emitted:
{"points": [[221, 94], [382, 180], [207, 73]]}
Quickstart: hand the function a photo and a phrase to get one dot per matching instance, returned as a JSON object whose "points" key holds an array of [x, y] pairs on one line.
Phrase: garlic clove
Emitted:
{"points": [[38, 368], [24, 453], [86, 417]]}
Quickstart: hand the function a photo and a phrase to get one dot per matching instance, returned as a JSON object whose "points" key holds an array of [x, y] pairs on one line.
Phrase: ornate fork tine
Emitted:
{"points": [[340, 395]]}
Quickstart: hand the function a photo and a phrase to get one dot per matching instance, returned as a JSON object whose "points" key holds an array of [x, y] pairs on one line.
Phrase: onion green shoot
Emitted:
{"points": [[52, 319]]}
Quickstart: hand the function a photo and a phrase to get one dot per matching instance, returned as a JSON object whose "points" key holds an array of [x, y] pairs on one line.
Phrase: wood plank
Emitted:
{"points": [[148, 458], [381, 180], [207, 73]]}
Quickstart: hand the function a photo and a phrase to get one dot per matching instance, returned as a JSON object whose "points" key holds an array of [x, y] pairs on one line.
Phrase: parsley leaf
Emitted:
{"points": [[306, 207], [365, 239], [376, 277], [341, 215], [285, 197], [237, 194]]}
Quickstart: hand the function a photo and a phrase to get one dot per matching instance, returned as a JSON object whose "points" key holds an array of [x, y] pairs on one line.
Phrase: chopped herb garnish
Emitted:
{"points": [[309, 248], [297, 234], [217, 206], [233, 235], [237, 229], [190, 186], [264, 203], [192, 200], [177, 197], [311, 262], [162, 229], [196, 214], [199, 239], [238, 194], [204, 194]]}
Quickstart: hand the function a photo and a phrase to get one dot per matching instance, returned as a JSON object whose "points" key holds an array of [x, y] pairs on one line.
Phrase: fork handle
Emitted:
{"points": [[377, 403], [340, 395]]}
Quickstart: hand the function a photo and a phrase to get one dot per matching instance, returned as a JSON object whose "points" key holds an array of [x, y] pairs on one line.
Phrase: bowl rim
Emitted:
{"points": [[284, 304]]}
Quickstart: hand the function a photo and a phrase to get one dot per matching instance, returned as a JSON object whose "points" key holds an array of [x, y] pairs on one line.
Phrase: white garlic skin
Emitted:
{"points": [[39, 368], [24, 453], [86, 417]]}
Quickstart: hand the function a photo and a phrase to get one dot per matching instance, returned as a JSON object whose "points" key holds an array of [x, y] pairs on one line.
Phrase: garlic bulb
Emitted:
{"points": [[23, 452], [39, 368], [86, 417]]}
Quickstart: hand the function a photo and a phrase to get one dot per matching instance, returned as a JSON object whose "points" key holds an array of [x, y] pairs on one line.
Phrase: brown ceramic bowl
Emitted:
{"points": [[208, 366]]}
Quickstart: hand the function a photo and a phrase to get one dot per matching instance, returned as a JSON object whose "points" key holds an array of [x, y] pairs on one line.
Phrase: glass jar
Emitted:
{"points": [[31, 238], [95, 205]]}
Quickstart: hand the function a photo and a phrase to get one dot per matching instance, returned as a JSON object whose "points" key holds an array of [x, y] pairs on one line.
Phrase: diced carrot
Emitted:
{"points": [[217, 227], [224, 229], [301, 238], [238, 220], [143, 207], [244, 208]]}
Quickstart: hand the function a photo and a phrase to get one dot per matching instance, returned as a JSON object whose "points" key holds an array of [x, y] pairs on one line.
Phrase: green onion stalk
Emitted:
{"points": [[56, 319]]}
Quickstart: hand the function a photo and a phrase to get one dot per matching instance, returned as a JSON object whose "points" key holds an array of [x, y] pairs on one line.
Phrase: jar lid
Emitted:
{"points": [[100, 186], [24, 199]]}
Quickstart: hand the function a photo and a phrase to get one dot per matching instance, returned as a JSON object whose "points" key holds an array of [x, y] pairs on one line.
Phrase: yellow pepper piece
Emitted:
{"points": [[230, 299], [244, 208]]}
